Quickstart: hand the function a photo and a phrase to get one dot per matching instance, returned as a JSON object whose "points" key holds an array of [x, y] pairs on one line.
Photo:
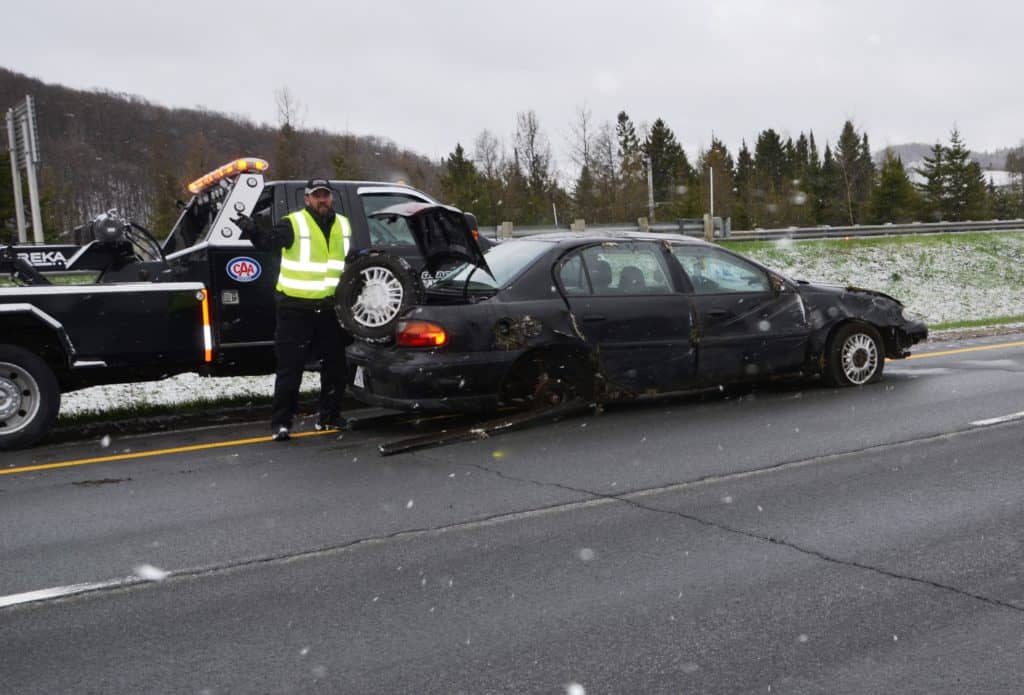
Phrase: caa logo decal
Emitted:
{"points": [[244, 269]]}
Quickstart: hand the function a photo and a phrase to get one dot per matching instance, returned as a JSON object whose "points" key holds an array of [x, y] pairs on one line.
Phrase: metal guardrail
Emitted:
{"points": [[820, 232]]}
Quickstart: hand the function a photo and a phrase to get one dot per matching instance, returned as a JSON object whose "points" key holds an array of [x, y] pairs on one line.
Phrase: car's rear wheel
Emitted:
{"points": [[29, 398], [543, 380], [856, 356], [373, 292]]}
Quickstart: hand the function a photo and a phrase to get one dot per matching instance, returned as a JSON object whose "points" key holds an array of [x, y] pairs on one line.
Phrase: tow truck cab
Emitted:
{"points": [[206, 246], [200, 301]]}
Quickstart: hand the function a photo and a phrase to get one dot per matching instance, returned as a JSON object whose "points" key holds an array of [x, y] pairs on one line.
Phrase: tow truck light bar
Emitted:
{"points": [[230, 169]]}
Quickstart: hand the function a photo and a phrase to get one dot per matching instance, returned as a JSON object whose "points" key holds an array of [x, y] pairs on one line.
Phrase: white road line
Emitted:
{"points": [[997, 420], [57, 592]]}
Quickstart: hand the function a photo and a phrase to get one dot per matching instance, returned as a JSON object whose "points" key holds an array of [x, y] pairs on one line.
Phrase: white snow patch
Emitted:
{"points": [[150, 573]]}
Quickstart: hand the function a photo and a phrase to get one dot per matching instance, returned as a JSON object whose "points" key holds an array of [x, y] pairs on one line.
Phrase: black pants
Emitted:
{"points": [[308, 329]]}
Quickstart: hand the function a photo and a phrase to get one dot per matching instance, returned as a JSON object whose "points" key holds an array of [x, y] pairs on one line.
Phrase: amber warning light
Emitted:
{"points": [[229, 170]]}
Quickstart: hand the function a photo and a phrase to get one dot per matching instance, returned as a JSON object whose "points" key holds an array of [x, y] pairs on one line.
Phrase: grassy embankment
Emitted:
{"points": [[952, 280]]}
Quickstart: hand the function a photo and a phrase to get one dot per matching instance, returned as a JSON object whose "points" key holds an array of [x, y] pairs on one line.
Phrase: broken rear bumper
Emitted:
{"points": [[427, 380]]}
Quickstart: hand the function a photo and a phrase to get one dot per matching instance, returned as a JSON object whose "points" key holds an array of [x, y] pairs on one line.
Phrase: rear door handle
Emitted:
{"points": [[718, 313], [593, 317]]}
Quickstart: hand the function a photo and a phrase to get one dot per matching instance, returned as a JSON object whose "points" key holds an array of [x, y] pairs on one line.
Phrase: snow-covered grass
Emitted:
{"points": [[954, 279], [946, 278]]}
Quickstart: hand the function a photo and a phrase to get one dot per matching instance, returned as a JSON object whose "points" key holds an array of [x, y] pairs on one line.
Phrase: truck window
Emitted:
{"points": [[394, 232], [298, 201], [195, 220]]}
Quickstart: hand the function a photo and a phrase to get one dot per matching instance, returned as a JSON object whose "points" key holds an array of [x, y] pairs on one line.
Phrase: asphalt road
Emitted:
{"points": [[786, 540]]}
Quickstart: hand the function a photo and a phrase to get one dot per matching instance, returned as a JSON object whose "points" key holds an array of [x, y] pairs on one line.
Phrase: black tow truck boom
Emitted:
{"points": [[120, 307]]}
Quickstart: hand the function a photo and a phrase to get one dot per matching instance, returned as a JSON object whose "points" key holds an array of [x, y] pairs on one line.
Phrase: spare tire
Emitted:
{"points": [[373, 292]]}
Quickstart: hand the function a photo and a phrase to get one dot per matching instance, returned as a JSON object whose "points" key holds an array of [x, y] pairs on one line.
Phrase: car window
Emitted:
{"points": [[573, 276], [631, 268], [713, 271], [393, 231], [506, 260]]}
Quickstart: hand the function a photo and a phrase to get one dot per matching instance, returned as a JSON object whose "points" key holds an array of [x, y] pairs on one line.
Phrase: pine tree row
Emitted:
{"points": [[781, 182]]}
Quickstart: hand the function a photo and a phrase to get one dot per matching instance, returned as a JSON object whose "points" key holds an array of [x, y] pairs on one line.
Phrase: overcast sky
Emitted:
{"points": [[430, 74]]}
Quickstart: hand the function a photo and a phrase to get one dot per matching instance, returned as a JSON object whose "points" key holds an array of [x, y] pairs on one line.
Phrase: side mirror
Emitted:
{"points": [[471, 221], [778, 284]]}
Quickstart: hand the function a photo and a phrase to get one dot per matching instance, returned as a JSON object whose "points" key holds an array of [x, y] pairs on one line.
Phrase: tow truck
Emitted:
{"points": [[202, 300]]}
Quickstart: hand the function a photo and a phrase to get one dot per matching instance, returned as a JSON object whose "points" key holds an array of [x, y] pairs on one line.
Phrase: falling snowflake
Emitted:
{"points": [[150, 573], [105, 442], [587, 554], [408, 505], [574, 689]]}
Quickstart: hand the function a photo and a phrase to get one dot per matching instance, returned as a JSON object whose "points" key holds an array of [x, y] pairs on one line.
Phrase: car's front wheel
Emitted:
{"points": [[29, 398], [855, 356]]}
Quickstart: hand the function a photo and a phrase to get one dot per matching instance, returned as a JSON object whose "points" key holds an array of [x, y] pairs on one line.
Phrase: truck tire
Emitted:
{"points": [[29, 398], [373, 292]]}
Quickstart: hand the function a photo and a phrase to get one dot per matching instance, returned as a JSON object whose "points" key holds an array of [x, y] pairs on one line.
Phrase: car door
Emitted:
{"points": [[628, 310], [749, 324]]}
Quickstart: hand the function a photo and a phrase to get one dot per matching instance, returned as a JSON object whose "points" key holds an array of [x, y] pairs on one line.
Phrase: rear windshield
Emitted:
{"points": [[505, 260]]}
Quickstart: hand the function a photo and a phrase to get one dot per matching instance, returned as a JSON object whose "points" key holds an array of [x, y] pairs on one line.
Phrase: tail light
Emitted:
{"points": [[420, 334]]}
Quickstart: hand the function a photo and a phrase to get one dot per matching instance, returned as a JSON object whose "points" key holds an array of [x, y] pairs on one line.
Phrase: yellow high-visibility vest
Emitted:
{"points": [[312, 265]]}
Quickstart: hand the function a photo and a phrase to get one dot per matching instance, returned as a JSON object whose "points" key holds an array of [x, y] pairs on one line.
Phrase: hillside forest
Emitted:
{"points": [[104, 150]]}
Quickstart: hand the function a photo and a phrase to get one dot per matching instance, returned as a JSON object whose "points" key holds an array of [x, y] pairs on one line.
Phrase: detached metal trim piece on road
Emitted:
{"points": [[483, 430]]}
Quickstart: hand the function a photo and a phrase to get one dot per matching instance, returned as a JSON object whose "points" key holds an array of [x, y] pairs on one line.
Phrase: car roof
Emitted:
{"points": [[573, 238]]}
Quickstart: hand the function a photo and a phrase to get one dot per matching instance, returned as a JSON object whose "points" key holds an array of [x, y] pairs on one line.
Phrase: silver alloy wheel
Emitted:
{"points": [[859, 358], [380, 299], [19, 398]]}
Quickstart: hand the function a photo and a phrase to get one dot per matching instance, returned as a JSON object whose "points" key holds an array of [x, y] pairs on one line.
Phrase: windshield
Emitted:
{"points": [[505, 260]]}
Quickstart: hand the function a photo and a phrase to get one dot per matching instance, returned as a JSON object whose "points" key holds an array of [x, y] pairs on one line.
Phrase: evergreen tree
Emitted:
{"points": [[933, 193], [963, 185], [830, 209], [855, 173], [894, 199], [744, 215], [460, 182], [584, 195], [631, 170], [772, 181], [718, 161], [670, 169]]}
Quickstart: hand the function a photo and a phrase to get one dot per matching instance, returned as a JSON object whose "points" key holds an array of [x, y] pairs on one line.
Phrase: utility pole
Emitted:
{"points": [[711, 178], [650, 192]]}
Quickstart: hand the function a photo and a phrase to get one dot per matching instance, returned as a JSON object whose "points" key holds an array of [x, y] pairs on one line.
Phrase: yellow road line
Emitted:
{"points": [[979, 348], [147, 454]]}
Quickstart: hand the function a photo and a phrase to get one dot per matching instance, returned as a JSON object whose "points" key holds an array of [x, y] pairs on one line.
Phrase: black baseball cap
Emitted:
{"points": [[318, 184]]}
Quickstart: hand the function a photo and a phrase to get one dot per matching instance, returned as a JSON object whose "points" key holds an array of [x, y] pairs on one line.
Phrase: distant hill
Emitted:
{"points": [[102, 150], [916, 152]]}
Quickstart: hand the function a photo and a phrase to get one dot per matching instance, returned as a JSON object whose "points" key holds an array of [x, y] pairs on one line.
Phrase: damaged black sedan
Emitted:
{"points": [[616, 316]]}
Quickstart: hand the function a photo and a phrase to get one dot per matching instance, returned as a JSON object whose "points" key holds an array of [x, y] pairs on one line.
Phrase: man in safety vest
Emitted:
{"points": [[314, 242]]}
